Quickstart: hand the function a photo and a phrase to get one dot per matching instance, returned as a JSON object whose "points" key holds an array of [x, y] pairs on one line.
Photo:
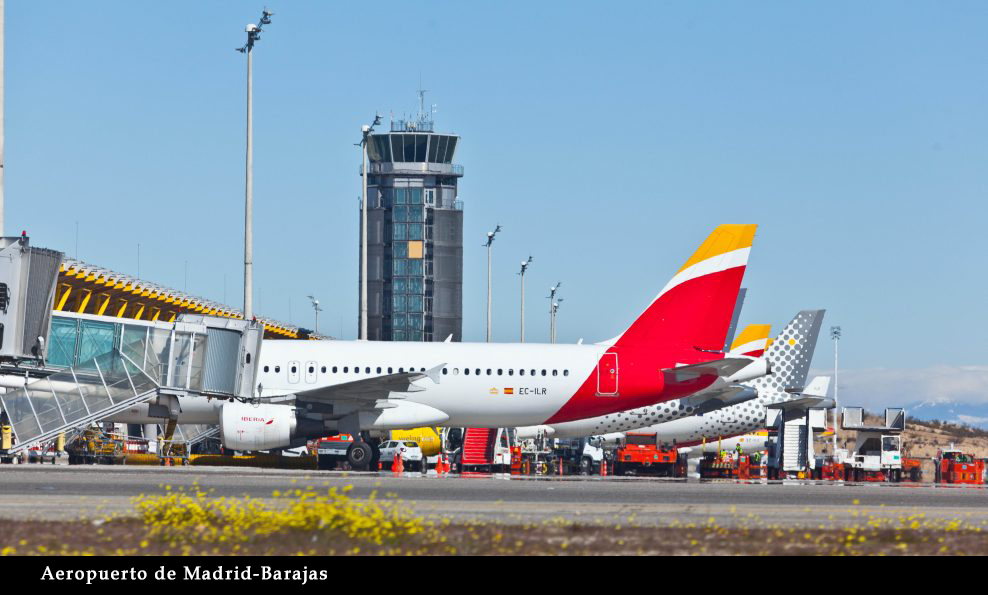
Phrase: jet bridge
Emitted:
{"points": [[96, 368]]}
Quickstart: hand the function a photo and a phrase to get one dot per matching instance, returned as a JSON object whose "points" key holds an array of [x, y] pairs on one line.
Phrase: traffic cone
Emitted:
{"points": [[603, 467]]}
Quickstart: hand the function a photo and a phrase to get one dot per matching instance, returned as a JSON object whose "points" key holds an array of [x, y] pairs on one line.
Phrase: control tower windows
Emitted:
{"points": [[420, 146]]}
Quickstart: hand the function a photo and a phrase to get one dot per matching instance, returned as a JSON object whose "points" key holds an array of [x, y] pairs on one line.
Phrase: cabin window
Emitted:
{"points": [[324, 369], [500, 371], [521, 372], [389, 370], [367, 369], [543, 372], [533, 372], [294, 369], [379, 369], [565, 372], [266, 369], [511, 371], [466, 371], [277, 369], [346, 369], [456, 371], [554, 373], [444, 371], [312, 369], [488, 371]]}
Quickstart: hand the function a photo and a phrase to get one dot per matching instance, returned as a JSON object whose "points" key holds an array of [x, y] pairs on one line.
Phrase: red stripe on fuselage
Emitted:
{"points": [[696, 313]]}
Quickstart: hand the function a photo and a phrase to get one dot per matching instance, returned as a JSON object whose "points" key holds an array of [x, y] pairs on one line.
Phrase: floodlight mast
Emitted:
{"points": [[835, 333], [524, 267], [316, 308], [253, 35], [490, 241], [553, 307]]}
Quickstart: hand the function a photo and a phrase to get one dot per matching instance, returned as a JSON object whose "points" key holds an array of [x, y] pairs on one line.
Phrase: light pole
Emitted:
{"points": [[253, 35], [552, 311], [366, 132], [1, 113], [524, 267], [555, 310], [490, 240], [317, 308], [835, 336]]}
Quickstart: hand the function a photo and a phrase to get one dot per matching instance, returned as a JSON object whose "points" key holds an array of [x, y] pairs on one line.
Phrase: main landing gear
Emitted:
{"points": [[363, 456]]}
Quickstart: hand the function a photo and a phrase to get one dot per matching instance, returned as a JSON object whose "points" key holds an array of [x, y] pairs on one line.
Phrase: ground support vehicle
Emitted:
{"points": [[731, 466], [331, 451], [641, 455], [955, 467]]}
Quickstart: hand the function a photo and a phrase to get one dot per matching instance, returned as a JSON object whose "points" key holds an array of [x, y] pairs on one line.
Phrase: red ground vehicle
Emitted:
{"points": [[640, 455], [331, 450], [955, 467]]}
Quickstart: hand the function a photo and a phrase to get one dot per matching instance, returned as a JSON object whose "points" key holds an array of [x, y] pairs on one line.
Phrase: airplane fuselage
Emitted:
{"points": [[482, 384]]}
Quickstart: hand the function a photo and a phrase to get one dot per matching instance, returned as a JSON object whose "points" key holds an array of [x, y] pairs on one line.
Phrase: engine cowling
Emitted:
{"points": [[256, 427]]}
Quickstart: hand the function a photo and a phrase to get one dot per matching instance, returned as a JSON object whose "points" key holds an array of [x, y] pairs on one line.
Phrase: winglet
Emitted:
{"points": [[449, 339], [818, 387], [435, 373]]}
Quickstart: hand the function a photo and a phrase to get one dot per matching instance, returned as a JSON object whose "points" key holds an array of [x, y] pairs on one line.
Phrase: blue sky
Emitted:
{"points": [[607, 138]]}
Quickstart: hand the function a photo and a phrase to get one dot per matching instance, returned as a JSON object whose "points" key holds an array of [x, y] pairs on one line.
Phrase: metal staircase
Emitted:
{"points": [[75, 398], [478, 446]]}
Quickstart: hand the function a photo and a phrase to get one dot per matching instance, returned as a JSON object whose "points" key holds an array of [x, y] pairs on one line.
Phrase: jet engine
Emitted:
{"points": [[257, 427]]}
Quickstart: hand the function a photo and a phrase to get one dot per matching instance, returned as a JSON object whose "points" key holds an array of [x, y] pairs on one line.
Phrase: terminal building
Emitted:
{"points": [[415, 234]]}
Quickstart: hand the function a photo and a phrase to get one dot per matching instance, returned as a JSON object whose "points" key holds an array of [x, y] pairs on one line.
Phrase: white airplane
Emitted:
{"points": [[740, 406], [311, 389], [749, 417]]}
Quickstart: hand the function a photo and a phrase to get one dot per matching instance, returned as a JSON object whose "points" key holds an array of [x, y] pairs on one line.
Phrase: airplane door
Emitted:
{"points": [[310, 372], [293, 372], [607, 375]]}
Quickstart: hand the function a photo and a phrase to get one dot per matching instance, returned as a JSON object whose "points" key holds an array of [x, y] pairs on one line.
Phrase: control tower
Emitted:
{"points": [[415, 234]]}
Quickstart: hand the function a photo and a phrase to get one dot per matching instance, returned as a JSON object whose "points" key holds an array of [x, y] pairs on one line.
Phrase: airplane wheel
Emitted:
{"points": [[360, 455]]}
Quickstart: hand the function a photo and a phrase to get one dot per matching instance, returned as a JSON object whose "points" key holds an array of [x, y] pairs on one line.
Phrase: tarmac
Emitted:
{"points": [[62, 492]]}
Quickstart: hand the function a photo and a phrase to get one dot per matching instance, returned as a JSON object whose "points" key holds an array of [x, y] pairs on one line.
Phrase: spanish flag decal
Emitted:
{"points": [[509, 391]]}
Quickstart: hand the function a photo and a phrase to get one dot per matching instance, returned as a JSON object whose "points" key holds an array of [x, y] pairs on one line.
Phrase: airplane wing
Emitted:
{"points": [[803, 403], [721, 367], [712, 400], [370, 390]]}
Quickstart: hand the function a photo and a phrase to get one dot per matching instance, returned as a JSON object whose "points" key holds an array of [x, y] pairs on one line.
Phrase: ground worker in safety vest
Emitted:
{"points": [[739, 449]]}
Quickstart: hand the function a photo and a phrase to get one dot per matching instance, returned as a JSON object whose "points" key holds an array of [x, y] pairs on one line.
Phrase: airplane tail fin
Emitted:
{"points": [[690, 317], [752, 341], [818, 387], [789, 356]]}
